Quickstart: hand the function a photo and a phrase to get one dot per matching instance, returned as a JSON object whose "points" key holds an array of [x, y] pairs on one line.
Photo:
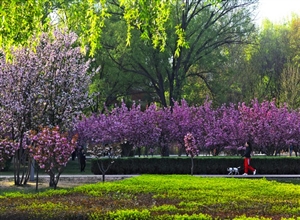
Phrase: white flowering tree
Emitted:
{"points": [[45, 87]]}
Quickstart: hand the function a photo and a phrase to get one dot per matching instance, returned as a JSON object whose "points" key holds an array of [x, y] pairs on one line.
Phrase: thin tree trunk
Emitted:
{"points": [[37, 180], [192, 167]]}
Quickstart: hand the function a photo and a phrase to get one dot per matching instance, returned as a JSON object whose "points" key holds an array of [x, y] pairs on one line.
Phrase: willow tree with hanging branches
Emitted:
{"points": [[22, 19]]}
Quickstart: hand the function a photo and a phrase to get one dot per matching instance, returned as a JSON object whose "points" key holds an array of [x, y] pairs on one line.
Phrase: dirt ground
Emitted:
{"points": [[62, 183]]}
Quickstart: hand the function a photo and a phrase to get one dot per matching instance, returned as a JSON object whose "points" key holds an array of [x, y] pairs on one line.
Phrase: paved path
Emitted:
{"points": [[68, 176], [134, 175], [256, 176]]}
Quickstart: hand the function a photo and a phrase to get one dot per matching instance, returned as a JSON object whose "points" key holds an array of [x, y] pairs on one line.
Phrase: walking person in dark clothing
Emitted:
{"points": [[82, 159], [247, 157]]}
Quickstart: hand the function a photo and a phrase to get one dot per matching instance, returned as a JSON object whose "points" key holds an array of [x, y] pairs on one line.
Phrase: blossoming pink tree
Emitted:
{"points": [[7, 150], [191, 148], [138, 127], [8, 147], [185, 120], [51, 150], [232, 129], [46, 87], [121, 125], [271, 128]]}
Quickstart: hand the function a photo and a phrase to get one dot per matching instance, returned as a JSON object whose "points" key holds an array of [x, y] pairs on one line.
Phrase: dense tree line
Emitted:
{"points": [[269, 128]]}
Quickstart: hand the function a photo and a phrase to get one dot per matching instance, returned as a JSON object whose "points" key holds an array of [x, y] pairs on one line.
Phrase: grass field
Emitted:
{"points": [[156, 197], [159, 197]]}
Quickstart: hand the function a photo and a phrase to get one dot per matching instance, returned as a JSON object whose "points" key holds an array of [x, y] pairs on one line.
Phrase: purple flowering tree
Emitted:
{"points": [[233, 133], [121, 125], [139, 129], [47, 87], [102, 139], [8, 147], [184, 118], [293, 131], [271, 128], [151, 130], [212, 129], [164, 121], [7, 150]]}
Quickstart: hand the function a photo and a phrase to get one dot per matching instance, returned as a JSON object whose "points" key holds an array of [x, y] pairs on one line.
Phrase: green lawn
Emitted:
{"points": [[159, 197]]}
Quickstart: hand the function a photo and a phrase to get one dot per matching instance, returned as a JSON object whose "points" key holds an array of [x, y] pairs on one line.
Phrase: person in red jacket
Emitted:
{"points": [[247, 157]]}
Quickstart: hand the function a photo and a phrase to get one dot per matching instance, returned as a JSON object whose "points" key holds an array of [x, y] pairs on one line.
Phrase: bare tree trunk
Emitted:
{"points": [[22, 165], [37, 180], [54, 180], [102, 169], [192, 167]]}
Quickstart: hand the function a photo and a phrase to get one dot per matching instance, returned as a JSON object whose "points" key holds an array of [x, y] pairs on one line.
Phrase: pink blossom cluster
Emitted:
{"points": [[51, 149], [7, 150], [190, 145], [272, 129], [121, 125]]}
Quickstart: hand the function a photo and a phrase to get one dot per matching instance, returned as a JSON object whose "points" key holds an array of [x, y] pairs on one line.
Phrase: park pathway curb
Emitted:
{"points": [[121, 176]]}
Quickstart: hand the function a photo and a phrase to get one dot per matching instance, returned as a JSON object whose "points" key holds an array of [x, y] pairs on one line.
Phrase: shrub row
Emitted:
{"points": [[202, 165]]}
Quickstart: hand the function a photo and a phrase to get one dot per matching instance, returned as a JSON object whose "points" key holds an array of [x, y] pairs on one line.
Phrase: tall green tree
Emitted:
{"points": [[293, 38], [269, 58], [235, 81], [290, 86], [111, 85], [254, 71], [290, 76], [205, 28], [269, 67]]}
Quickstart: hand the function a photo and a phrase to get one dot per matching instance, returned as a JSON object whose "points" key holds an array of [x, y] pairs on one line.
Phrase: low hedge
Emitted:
{"points": [[202, 165]]}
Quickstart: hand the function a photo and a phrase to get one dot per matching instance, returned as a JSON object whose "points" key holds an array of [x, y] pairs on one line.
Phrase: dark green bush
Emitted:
{"points": [[7, 165], [202, 165]]}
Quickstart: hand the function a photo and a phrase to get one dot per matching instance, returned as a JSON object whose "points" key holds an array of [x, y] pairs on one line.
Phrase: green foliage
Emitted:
{"points": [[193, 51], [290, 87], [20, 21], [148, 16], [130, 214], [169, 208], [24, 19], [243, 217], [260, 64]]}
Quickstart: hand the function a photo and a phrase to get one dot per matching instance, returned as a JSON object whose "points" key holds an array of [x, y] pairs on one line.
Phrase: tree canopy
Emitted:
{"points": [[163, 76], [21, 20]]}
